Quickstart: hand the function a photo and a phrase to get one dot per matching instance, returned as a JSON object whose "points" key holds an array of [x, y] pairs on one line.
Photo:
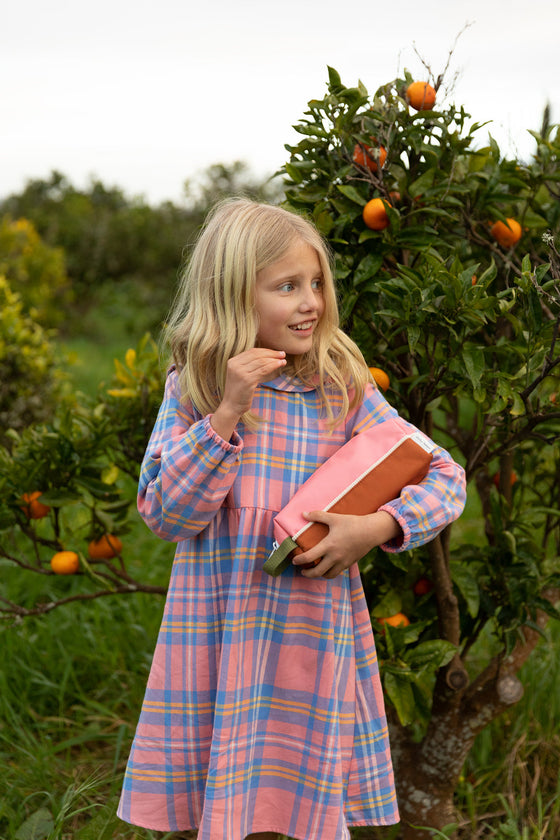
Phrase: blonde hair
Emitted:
{"points": [[214, 316]]}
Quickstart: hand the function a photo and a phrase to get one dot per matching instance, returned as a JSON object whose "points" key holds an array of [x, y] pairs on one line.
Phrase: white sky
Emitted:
{"points": [[146, 94]]}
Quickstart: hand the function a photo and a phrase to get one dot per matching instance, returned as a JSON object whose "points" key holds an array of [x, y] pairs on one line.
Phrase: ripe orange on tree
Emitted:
{"points": [[34, 509], [105, 547], [375, 215], [506, 235], [422, 586], [397, 620], [496, 479], [380, 377], [363, 157], [421, 96], [65, 563]]}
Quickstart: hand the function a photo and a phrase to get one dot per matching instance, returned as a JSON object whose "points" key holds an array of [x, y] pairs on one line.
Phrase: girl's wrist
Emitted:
{"points": [[385, 527], [224, 421]]}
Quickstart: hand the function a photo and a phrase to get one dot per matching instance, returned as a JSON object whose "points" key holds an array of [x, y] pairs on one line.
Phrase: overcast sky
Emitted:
{"points": [[144, 95]]}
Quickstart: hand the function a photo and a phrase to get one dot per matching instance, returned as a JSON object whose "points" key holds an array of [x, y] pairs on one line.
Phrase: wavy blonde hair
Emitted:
{"points": [[214, 315]]}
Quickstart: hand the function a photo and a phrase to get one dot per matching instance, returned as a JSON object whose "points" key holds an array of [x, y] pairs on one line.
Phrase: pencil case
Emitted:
{"points": [[370, 470]]}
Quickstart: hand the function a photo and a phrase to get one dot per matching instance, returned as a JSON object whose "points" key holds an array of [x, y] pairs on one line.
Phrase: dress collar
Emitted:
{"points": [[288, 382]]}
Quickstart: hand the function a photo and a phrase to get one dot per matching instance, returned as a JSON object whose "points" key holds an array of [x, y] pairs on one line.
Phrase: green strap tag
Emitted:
{"points": [[279, 559]]}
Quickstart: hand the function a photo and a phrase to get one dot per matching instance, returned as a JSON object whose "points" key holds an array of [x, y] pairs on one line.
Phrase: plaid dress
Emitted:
{"points": [[263, 709]]}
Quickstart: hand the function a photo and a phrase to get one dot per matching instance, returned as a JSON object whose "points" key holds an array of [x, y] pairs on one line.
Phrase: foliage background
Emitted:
{"points": [[70, 695]]}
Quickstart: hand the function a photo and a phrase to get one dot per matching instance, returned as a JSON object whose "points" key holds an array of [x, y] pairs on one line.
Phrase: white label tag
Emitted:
{"points": [[423, 441]]}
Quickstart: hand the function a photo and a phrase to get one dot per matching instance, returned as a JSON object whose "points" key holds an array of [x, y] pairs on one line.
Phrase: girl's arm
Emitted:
{"points": [[187, 470]]}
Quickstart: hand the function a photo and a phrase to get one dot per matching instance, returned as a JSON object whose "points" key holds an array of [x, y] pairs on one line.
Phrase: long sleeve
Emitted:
{"points": [[187, 470], [424, 509]]}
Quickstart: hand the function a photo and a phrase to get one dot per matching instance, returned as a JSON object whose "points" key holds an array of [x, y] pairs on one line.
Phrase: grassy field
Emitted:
{"points": [[72, 683]]}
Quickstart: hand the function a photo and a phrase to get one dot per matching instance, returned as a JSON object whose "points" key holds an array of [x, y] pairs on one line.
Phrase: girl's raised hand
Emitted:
{"points": [[244, 373]]}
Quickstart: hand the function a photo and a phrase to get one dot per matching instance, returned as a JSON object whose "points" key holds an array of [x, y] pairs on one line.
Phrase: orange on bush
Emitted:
{"points": [[105, 547], [363, 157], [65, 563], [421, 96], [496, 479], [506, 235], [34, 509], [422, 586], [375, 215], [380, 377], [397, 620]]}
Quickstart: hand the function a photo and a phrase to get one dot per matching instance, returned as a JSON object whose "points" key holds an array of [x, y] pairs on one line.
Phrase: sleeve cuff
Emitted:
{"points": [[399, 543], [234, 445]]}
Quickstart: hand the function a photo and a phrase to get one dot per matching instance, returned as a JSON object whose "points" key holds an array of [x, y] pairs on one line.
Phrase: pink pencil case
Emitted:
{"points": [[364, 474]]}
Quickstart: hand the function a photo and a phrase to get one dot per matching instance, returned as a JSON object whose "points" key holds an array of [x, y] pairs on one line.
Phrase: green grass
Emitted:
{"points": [[70, 694], [116, 318], [513, 768]]}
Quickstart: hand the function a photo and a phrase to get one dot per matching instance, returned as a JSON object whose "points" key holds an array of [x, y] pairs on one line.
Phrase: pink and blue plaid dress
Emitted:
{"points": [[263, 709]]}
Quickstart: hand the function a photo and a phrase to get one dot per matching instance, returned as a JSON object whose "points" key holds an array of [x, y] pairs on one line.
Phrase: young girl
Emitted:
{"points": [[263, 711]]}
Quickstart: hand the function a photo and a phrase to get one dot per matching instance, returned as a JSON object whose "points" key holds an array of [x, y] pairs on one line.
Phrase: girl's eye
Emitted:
{"points": [[318, 284], [286, 287]]}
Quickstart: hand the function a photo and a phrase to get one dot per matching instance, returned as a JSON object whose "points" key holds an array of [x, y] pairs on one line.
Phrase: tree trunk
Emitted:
{"points": [[427, 773]]}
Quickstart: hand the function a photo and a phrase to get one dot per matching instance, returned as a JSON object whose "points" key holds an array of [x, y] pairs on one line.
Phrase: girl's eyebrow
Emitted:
{"points": [[294, 276]]}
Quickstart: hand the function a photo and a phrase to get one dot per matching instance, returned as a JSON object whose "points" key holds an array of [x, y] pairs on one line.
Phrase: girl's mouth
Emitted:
{"points": [[306, 325]]}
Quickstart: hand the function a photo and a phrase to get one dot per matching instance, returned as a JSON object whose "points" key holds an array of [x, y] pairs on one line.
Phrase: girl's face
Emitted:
{"points": [[289, 300]]}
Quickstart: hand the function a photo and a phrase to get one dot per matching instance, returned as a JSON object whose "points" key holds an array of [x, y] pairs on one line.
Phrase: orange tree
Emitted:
{"points": [[465, 324], [67, 491]]}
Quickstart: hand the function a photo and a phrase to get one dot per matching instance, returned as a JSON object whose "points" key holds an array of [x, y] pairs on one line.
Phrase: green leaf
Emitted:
{"points": [[37, 827], [324, 222], [367, 268], [421, 184], [294, 173], [390, 604], [518, 407], [467, 584], [431, 654], [352, 193], [413, 334], [311, 130], [473, 358], [335, 82], [400, 693], [110, 474], [57, 498]]}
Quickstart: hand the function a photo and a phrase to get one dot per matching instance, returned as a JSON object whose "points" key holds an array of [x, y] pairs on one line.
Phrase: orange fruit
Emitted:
{"points": [[422, 586], [474, 280], [105, 547], [65, 563], [512, 479], [363, 157], [34, 509], [375, 215], [380, 377], [397, 620], [395, 196], [506, 235], [421, 96]]}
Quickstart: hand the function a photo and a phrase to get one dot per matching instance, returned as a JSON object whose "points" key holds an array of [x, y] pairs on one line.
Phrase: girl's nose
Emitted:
{"points": [[308, 300]]}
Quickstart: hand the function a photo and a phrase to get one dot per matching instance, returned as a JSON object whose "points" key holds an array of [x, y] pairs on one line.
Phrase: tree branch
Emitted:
{"points": [[17, 611]]}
